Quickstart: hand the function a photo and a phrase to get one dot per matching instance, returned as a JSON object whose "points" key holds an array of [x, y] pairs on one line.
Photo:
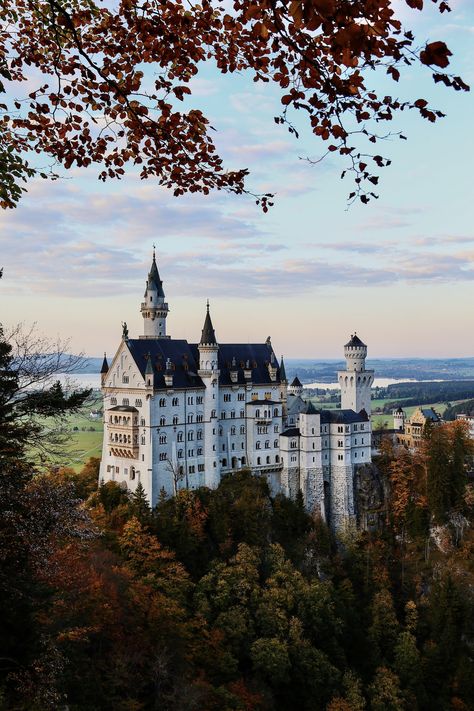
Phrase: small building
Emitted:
{"points": [[470, 421], [409, 432]]}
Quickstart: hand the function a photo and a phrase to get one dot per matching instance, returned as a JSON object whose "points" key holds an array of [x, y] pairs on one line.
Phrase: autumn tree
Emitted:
{"points": [[112, 83]]}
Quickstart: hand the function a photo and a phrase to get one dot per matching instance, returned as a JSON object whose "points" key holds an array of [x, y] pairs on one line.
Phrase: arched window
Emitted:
{"points": [[175, 420], [199, 451], [242, 429], [213, 413], [267, 444], [113, 400], [275, 443], [199, 434], [277, 458], [138, 403], [190, 436], [224, 462], [125, 401], [257, 413], [162, 402], [268, 460], [258, 460], [243, 460], [257, 444], [275, 412], [232, 430], [163, 456], [162, 421], [180, 437], [175, 401], [163, 439]]}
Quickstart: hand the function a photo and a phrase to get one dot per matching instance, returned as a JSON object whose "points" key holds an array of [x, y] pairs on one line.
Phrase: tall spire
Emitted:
{"points": [[154, 280], [208, 335], [105, 366], [154, 309], [282, 371]]}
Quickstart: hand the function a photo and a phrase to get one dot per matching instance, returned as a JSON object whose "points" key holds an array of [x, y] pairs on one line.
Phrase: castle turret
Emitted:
{"points": [[296, 387], [209, 374], [355, 381], [104, 370], [398, 419], [154, 309]]}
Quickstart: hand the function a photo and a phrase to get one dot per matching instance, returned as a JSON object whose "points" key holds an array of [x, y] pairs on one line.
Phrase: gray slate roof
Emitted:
{"points": [[208, 334], [344, 417], [291, 432], [296, 383], [355, 342], [154, 279]]}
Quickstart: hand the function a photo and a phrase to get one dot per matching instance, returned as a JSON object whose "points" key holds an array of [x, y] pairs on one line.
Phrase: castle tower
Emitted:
{"points": [[154, 309], [399, 419], [355, 382], [283, 390], [296, 387], [209, 374]]}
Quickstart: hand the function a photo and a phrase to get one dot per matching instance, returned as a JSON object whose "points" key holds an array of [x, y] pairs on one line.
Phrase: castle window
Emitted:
{"points": [[213, 413], [232, 430], [162, 421], [313, 445], [213, 447], [162, 439], [340, 443], [258, 460], [190, 452], [138, 403], [232, 414], [180, 453], [175, 401], [163, 456], [242, 413], [190, 400], [242, 429], [362, 454], [222, 415], [223, 447], [355, 428], [175, 420], [275, 428], [199, 452], [242, 446], [124, 378], [227, 397], [143, 440], [224, 462], [233, 446], [275, 443], [199, 434], [348, 429], [275, 412], [268, 460], [362, 427], [293, 444], [113, 400], [267, 444], [257, 444], [355, 455], [200, 467], [162, 402], [125, 401], [180, 437], [257, 413], [190, 418], [199, 418], [277, 459], [190, 436], [340, 457], [241, 396], [340, 429], [192, 469], [220, 431], [362, 440], [199, 400]]}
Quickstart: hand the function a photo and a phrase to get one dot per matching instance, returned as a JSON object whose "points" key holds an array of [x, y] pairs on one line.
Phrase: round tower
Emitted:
{"points": [[154, 309], [355, 382], [355, 353]]}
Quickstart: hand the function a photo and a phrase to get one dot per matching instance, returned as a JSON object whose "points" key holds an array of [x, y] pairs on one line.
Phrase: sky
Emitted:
{"points": [[399, 271]]}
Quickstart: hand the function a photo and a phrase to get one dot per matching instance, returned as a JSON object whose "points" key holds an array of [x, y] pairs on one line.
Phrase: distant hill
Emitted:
{"points": [[325, 370], [410, 368]]}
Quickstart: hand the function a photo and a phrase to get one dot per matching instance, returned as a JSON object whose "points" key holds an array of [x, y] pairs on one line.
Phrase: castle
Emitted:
{"points": [[180, 415]]}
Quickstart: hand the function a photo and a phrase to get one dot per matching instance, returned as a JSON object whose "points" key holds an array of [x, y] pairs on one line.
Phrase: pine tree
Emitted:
{"points": [[139, 504]]}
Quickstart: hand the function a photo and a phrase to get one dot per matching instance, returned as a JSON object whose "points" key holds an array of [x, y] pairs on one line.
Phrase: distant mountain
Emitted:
{"points": [[324, 371]]}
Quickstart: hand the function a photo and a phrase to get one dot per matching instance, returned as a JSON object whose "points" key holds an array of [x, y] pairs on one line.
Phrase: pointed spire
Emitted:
{"points": [[208, 335], [154, 277], [105, 366], [149, 365], [282, 371]]}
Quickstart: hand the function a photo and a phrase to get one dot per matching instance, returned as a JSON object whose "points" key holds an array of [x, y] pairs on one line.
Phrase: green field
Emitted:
{"points": [[83, 443]]}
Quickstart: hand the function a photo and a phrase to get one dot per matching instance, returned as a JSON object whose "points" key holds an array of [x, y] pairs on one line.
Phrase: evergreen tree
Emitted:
{"points": [[139, 504]]}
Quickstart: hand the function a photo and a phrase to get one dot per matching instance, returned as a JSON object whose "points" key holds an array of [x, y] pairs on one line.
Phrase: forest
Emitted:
{"points": [[231, 599]]}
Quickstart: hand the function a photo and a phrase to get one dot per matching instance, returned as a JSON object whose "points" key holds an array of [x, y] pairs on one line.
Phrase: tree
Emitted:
{"points": [[33, 405], [97, 103], [384, 691]]}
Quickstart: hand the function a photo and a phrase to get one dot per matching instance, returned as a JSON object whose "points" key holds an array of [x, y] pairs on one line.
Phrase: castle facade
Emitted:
{"points": [[180, 415]]}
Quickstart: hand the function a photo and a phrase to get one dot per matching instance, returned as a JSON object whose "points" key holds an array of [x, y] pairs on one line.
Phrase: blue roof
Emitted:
{"points": [[344, 417]]}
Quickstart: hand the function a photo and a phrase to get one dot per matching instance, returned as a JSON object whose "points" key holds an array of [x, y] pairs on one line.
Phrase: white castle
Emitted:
{"points": [[180, 415]]}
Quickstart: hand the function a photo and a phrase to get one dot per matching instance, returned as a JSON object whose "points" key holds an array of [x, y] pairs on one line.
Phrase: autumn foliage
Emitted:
{"points": [[110, 83]]}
